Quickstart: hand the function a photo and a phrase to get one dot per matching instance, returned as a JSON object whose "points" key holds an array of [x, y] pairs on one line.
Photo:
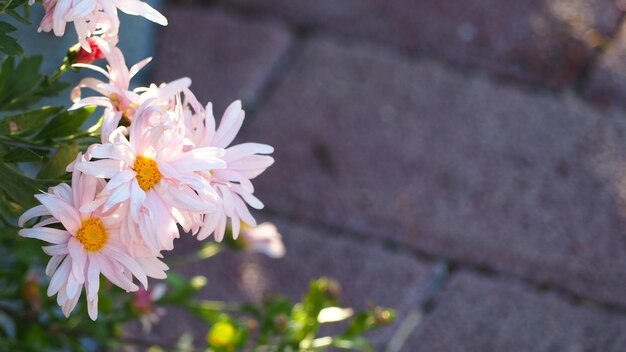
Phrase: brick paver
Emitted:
{"points": [[452, 164], [227, 58], [386, 146], [474, 313], [367, 273], [607, 82], [541, 41]]}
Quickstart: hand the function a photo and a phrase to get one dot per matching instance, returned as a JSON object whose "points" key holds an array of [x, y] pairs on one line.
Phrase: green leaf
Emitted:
{"points": [[55, 167], [21, 154], [20, 188], [368, 320], [355, 343], [18, 17], [180, 290], [10, 46], [5, 5], [17, 3], [22, 85], [208, 311], [28, 122], [65, 124], [7, 27], [18, 82]]}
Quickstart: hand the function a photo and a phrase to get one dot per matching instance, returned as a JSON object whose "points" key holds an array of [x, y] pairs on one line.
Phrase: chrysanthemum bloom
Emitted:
{"points": [[117, 98], [87, 245], [244, 162], [158, 177], [93, 17]]}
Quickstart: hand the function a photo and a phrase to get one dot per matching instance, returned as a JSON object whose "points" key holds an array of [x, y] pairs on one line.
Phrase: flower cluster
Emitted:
{"points": [[163, 166], [93, 17]]}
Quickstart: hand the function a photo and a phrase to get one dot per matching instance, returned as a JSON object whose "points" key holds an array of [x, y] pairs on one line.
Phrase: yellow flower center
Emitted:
{"points": [[147, 171], [92, 234]]}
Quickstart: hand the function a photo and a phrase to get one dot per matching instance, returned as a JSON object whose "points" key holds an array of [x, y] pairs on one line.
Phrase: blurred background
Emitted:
{"points": [[461, 161]]}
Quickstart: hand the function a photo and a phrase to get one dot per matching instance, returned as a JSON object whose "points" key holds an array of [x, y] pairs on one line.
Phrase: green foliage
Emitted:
{"points": [[65, 125], [56, 165], [20, 188], [26, 123], [47, 136], [22, 84], [8, 44], [278, 324]]}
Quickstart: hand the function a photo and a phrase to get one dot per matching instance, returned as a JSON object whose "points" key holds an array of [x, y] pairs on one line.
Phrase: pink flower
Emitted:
{"points": [[117, 98], [243, 162], [157, 176], [87, 245], [263, 239], [93, 17]]}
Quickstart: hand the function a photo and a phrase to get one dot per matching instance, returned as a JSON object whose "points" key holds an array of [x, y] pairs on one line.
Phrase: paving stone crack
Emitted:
{"points": [[467, 69], [415, 317], [582, 81], [455, 264], [276, 74]]}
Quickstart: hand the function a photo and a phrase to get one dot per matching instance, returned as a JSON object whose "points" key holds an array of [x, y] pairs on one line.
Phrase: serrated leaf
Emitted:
{"points": [[65, 124], [27, 72], [27, 122], [18, 82], [10, 46], [21, 154], [22, 85], [55, 167], [50, 89], [7, 27], [5, 5], [11, 12], [17, 3]]}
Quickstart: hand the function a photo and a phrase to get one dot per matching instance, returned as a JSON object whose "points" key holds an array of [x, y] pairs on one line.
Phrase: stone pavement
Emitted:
{"points": [[461, 161]]}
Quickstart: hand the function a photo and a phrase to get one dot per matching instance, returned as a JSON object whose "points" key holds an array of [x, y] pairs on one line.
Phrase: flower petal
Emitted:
{"points": [[46, 234], [93, 277], [33, 212], [101, 168], [60, 277], [62, 211]]}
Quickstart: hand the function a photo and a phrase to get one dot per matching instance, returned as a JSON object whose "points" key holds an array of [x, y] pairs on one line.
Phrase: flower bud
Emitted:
{"points": [[78, 55]]}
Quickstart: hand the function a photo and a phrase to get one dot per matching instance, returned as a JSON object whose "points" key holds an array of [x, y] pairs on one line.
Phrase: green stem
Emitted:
{"points": [[65, 66]]}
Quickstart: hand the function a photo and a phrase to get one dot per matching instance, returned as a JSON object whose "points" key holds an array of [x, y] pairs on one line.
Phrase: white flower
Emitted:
{"points": [[158, 177], [117, 98], [93, 17], [243, 162], [88, 245]]}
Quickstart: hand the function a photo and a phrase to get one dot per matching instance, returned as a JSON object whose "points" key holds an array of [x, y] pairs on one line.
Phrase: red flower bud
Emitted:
{"points": [[82, 56]]}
